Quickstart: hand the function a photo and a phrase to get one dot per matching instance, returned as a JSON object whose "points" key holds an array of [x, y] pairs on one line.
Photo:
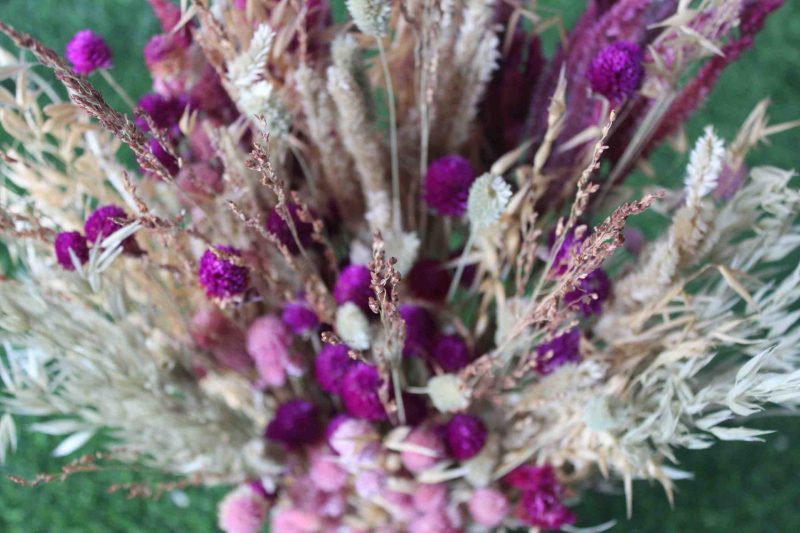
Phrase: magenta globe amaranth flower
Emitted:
{"points": [[164, 157], [296, 423], [280, 228], [559, 351], [354, 286], [331, 366], [420, 330], [429, 280], [222, 277], [87, 52], [359, 392], [589, 296], [451, 353], [466, 436], [106, 220], [544, 510], [299, 316], [617, 71], [165, 111], [71, 240], [447, 185]]}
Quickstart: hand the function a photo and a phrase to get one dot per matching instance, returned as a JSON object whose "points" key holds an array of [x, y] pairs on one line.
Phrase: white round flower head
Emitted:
{"points": [[402, 246], [488, 198], [448, 393], [479, 469], [371, 16], [353, 326]]}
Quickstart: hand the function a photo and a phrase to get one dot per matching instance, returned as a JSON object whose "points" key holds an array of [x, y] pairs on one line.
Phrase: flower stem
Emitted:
{"points": [[117, 88], [392, 137], [460, 268]]}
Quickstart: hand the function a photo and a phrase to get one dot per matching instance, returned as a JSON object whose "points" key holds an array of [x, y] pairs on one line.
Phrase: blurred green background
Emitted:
{"points": [[742, 487]]}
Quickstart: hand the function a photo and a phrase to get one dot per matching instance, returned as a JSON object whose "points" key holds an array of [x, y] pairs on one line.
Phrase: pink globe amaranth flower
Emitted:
{"points": [[488, 507], [451, 353], [280, 228], [447, 184], [221, 277], [207, 94], [164, 157], [589, 296], [200, 180], [331, 366], [87, 52], [169, 14], [269, 344], [292, 520], [543, 510], [71, 240], [355, 441], [370, 483], [617, 71], [105, 221], [325, 471], [429, 280], [558, 351], [299, 316], [354, 286], [420, 330], [401, 505], [242, 511], [430, 442], [213, 331], [466, 436], [165, 56], [296, 423], [360, 392], [434, 522], [429, 497]]}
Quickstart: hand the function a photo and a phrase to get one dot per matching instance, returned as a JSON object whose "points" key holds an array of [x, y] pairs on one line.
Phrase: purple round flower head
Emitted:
{"points": [[617, 71], [165, 111], [589, 296], [71, 240], [221, 277], [353, 285], [534, 478], [563, 257], [299, 316], [278, 227], [87, 52], [451, 353], [104, 221], [296, 423], [360, 392], [544, 510], [331, 366], [559, 351], [164, 157], [447, 185], [466, 435], [429, 280], [420, 330]]}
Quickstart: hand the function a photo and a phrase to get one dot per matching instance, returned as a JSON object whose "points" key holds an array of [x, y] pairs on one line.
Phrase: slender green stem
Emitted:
{"points": [[117, 88], [392, 137], [460, 268]]}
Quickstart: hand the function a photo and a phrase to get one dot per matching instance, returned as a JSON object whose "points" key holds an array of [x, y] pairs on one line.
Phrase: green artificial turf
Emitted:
{"points": [[743, 487]]}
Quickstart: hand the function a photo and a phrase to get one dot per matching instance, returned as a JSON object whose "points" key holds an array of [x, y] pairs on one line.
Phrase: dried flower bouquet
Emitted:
{"points": [[378, 274]]}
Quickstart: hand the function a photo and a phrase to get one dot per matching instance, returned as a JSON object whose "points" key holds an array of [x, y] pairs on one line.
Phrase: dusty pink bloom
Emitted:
{"points": [[269, 344], [488, 507], [242, 511], [400, 505], [213, 331], [370, 483], [429, 497], [423, 438], [356, 441], [200, 180], [325, 471], [435, 522], [291, 520]]}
